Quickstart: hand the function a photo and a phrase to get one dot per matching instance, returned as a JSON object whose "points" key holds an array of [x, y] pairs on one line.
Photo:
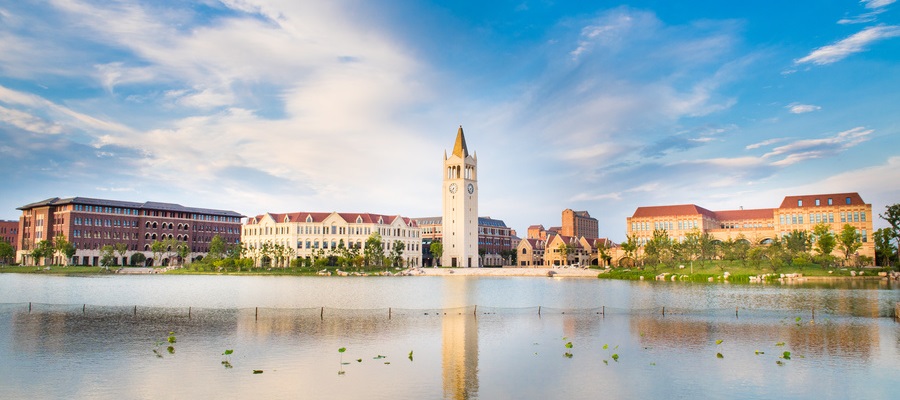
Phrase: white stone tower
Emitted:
{"points": [[460, 218]]}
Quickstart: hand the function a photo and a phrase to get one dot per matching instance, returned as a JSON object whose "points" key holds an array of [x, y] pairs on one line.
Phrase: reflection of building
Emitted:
{"points": [[493, 236], [459, 346], [90, 224], [305, 233], [759, 226]]}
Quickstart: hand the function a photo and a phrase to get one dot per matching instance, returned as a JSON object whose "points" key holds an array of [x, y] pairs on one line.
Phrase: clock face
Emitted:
{"points": [[452, 188], [471, 188]]}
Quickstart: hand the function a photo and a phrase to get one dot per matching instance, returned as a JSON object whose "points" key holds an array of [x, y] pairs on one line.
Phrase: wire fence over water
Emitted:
{"points": [[157, 312]]}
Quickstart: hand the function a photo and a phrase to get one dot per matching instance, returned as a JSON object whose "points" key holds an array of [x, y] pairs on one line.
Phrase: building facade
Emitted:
{"points": [[759, 226], [460, 204], [89, 224], [493, 236], [579, 224], [9, 233], [306, 234]]}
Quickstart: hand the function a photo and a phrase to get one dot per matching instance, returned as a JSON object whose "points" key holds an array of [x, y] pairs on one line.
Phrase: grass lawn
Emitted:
{"points": [[739, 272], [54, 270]]}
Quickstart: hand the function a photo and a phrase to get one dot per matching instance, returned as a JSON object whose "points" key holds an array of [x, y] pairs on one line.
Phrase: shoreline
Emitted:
{"points": [[539, 272]]}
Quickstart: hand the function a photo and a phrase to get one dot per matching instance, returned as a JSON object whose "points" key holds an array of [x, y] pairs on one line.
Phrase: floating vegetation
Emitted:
{"points": [[341, 351], [615, 357], [718, 342], [779, 363], [226, 363], [786, 355], [759, 352], [378, 357], [567, 355], [257, 371], [719, 355], [569, 345], [171, 338], [359, 360], [410, 355], [780, 344]]}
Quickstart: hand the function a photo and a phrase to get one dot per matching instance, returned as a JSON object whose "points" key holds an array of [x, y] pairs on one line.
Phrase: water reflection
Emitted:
{"points": [[459, 344]]}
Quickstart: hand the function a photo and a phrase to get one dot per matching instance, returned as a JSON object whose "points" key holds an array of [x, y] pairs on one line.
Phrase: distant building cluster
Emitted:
{"points": [[466, 239]]}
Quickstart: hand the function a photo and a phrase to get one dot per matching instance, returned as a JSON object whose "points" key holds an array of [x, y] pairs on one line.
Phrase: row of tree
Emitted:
{"points": [[796, 248]]}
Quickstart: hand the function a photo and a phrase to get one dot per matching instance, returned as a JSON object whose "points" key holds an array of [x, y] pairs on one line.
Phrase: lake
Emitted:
{"points": [[443, 337]]}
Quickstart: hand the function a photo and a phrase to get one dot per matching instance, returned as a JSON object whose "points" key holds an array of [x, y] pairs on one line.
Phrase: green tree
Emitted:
{"points": [[883, 246], [437, 250], [7, 252], [849, 241], [107, 256], [603, 257], [481, 253], [138, 259], [397, 253], [217, 248], [183, 251], [158, 248], [659, 250], [121, 250], [41, 251], [708, 247], [825, 243], [689, 248], [630, 247], [892, 216], [564, 249], [373, 253], [60, 245]]}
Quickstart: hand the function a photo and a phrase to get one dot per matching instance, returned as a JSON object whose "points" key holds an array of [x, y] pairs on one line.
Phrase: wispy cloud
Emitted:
{"points": [[877, 3], [853, 44], [806, 149], [797, 108], [764, 143]]}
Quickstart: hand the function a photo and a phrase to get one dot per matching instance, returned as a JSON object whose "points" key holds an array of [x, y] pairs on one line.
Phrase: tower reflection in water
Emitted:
{"points": [[459, 348]]}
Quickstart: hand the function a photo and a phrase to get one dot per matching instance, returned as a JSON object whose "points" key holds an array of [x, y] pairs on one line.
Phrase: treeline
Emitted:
{"points": [[795, 249]]}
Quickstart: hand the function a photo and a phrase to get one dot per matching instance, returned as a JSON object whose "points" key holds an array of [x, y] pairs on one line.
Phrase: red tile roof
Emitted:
{"points": [[664, 211], [367, 218], [810, 200]]}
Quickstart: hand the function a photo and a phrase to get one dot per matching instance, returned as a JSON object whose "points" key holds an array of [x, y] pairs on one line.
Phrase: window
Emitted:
{"points": [[862, 216], [848, 200], [817, 202], [843, 216], [830, 201], [800, 203]]}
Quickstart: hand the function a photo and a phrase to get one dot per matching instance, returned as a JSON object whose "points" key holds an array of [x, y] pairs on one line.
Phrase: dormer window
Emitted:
{"points": [[800, 203], [359, 219], [309, 218]]}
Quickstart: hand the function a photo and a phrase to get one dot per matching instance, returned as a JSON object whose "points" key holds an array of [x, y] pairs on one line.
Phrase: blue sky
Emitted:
{"points": [[280, 106]]}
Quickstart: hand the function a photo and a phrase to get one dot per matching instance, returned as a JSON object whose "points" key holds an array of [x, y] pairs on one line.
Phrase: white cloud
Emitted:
{"points": [[853, 44], [806, 149], [764, 143], [70, 117], [28, 122], [797, 108], [877, 3]]}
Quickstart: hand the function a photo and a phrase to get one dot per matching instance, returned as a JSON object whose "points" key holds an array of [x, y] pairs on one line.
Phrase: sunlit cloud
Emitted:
{"points": [[806, 149], [764, 143]]}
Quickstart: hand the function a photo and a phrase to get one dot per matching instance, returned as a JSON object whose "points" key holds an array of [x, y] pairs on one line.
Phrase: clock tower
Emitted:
{"points": [[460, 198]]}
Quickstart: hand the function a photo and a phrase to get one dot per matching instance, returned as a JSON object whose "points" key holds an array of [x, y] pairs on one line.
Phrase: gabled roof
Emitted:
{"points": [[318, 217], [810, 200], [665, 211]]}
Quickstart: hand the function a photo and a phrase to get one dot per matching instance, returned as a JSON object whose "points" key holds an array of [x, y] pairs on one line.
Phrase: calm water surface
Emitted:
{"points": [[95, 338]]}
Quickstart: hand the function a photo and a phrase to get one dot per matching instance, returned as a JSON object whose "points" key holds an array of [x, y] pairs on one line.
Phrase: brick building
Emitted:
{"points": [[90, 224], [493, 236], [9, 233]]}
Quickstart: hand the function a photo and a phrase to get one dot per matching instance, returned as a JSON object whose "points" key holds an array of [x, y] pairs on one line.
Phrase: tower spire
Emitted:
{"points": [[460, 149]]}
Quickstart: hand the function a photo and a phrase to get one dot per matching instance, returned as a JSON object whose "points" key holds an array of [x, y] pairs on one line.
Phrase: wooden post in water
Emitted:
{"points": [[389, 313], [257, 314], [475, 313], [664, 311], [539, 311], [735, 312], [189, 313], [135, 311], [29, 307], [322, 314], [814, 314], [83, 306]]}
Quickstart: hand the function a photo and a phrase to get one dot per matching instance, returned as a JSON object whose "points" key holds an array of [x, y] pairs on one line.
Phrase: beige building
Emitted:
{"points": [[307, 233], [460, 203], [760, 226]]}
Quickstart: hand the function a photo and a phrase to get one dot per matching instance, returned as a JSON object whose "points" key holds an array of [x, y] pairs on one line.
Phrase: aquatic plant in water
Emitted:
{"points": [[341, 351], [226, 362]]}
